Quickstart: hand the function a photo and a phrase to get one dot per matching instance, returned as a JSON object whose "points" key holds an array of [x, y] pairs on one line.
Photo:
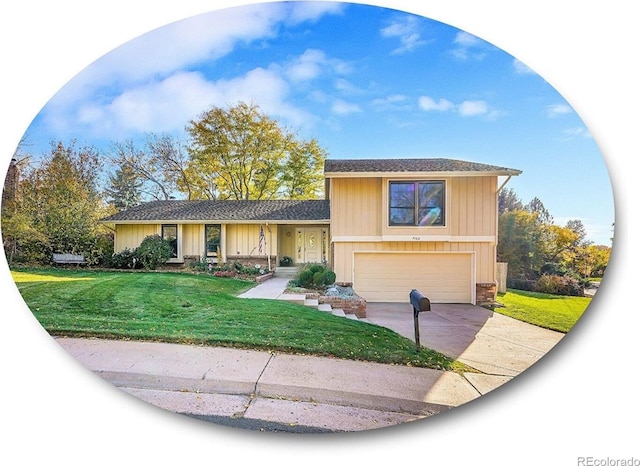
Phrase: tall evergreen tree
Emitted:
{"points": [[124, 188]]}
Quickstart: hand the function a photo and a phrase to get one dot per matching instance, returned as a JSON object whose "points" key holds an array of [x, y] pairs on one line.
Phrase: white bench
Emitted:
{"points": [[74, 259]]}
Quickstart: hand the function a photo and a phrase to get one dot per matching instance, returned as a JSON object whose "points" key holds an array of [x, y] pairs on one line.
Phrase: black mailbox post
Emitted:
{"points": [[420, 304]]}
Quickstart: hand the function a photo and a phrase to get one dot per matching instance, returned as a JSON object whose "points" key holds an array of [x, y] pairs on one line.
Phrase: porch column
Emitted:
{"points": [[223, 242]]}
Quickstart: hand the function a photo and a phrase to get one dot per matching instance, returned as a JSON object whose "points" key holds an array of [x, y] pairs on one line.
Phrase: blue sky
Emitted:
{"points": [[365, 81]]}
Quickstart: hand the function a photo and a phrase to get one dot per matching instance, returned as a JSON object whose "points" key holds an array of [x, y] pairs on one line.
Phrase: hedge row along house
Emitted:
{"points": [[385, 226]]}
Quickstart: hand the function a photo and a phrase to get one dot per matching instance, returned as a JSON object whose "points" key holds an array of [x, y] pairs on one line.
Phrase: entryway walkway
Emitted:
{"points": [[269, 289]]}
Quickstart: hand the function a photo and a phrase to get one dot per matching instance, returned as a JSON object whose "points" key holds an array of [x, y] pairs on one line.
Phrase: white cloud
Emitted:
{"points": [[308, 66], [521, 68], [312, 64], [558, 110], [464, 39], [347, 87], [168, 104], [469, 47], [169, 49], [391, 102], [578, 132], [407, 31], [428, 104], [340, 107], [470, 108], [310, 11]]}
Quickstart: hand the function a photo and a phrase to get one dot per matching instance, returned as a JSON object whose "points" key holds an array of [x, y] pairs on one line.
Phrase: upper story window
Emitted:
{"points": [[416, 203]]}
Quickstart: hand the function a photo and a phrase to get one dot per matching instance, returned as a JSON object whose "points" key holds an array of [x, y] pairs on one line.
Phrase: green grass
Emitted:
{"points": [[200, 309], [558, 313]]}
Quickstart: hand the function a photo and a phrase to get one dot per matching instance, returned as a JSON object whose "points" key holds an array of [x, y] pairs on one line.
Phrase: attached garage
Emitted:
{"points": [[444, 277]]}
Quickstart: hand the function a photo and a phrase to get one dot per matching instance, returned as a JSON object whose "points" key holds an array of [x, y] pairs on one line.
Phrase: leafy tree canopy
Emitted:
{"points": [[241, 153]]}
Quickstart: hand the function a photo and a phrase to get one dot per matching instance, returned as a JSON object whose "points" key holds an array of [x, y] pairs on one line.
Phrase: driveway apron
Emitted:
{"points": [[485, 340]]}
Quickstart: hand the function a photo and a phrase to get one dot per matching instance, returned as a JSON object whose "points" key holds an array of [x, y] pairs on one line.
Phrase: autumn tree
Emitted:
{"points": [[534, 245], [302, 176], [157, 167], [59, 205], [520, 242], [241, 153]]}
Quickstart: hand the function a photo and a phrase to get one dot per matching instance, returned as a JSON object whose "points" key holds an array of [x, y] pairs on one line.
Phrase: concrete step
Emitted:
{"points": [[338, 312], [293, 298], [325, 307], [285, 272], [311, 302]]}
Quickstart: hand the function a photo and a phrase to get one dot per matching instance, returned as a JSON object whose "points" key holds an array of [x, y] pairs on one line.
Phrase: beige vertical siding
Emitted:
{"points": [[359, 207], [359, 222], [237, 239], [130, 236], [193, 240], [356, 206], [243, 240], [473, 206]]}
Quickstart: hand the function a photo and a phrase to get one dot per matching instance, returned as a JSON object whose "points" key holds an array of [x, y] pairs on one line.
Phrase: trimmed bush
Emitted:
{"points": [[125, 259], [154, 252], [316, 276]]}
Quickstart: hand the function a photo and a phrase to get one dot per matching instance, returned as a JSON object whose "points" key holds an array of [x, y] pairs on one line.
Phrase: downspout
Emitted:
{"points": [[503, 184]]}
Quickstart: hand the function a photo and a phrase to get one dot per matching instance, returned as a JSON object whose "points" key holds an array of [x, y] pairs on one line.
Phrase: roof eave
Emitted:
{"points": [[213, 220], [416, 174]]}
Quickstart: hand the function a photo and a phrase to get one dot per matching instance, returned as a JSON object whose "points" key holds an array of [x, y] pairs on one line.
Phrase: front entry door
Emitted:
{"points": [[312, 245]]}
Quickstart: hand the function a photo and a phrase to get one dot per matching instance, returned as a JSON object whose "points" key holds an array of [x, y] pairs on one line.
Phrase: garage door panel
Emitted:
{"points": [[389, 277]]}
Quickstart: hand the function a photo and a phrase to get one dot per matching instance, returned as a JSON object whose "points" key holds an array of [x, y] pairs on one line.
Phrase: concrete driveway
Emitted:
{"points": [[490, 342]]}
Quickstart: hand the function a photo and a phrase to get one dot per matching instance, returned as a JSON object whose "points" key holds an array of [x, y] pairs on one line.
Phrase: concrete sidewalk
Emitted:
{"points": [[289, 390], [281, 392]]}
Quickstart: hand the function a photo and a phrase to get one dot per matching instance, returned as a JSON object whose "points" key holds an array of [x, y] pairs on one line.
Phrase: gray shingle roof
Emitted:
{"points": [[412, 165], [232, 211]]}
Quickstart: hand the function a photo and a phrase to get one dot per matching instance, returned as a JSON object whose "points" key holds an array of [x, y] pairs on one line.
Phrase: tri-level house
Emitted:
{"points": [[385, 226]]}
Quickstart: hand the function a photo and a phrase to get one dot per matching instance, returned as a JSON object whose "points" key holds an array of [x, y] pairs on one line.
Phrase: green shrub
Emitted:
{"points": [[154, 252], [316, 276], [305, 278], [125, 259], [559, 285]]}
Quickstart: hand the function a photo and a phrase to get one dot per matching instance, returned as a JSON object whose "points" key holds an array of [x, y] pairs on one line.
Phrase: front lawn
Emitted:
{"points": [[201, 309], [554, 312]]}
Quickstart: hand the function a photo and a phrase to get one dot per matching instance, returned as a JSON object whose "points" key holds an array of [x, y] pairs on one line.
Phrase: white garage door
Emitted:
{"points": [[390, 276]]}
